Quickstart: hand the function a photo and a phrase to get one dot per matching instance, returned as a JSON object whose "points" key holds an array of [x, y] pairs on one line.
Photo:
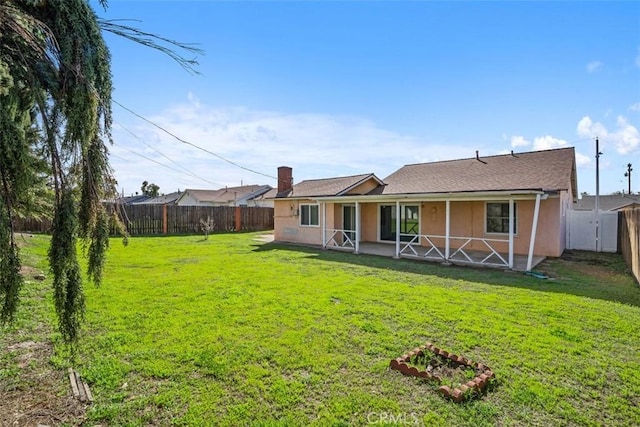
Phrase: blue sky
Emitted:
{"points": [[339, 88]]}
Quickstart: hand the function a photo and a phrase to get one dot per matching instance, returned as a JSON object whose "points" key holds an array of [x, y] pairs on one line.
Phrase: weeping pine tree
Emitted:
{"points": [[55, 127]]}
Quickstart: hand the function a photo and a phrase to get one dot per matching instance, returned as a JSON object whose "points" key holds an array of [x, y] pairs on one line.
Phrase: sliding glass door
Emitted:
{"points": [[409, 222]]}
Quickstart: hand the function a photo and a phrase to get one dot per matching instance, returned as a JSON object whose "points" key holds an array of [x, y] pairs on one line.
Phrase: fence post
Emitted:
{"points": [[238, 219], [165, 224]]}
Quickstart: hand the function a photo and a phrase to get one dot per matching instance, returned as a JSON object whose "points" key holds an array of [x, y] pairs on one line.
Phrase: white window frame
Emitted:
{"points": [[515, 216], [402, 206], [310, 206]]}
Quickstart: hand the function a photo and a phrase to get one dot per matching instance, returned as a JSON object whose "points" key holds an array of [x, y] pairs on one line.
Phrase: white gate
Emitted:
{"points": [[589, 231]]}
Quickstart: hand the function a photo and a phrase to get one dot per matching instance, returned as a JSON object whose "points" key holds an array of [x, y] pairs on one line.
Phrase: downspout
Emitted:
{"points": [[534, 229], [357, 247], [324, 224], [397, 229], [511, 212]]}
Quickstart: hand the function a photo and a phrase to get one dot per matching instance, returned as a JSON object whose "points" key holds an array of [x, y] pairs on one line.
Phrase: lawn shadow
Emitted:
{"points": [[599, 276]]}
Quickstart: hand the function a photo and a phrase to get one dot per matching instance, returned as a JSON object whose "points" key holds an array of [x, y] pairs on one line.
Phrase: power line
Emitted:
{"points": [[148, 158], [166, 157], [192, 144]]}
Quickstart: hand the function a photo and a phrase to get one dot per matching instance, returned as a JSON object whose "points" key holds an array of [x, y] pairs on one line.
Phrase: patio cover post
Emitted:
{"points": [[534, 229], [511, 215], [357, 247], [397, 229], [324, 224], [447, 230]]}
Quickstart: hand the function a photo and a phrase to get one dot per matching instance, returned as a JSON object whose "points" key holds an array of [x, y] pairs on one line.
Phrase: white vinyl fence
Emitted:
{"points": [[589, 231]]}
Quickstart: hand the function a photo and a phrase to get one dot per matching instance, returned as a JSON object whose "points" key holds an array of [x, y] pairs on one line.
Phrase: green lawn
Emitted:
{"points": [[233, 331]]}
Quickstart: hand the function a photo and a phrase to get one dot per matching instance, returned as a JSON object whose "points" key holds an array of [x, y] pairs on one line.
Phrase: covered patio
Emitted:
{"points": [[411, 239]]}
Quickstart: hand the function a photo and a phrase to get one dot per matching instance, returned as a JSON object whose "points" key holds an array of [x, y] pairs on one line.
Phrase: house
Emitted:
{"points": [[165, 199], [611, 202], [130, 200], [479, 210], [264, 200], [227, 196]]}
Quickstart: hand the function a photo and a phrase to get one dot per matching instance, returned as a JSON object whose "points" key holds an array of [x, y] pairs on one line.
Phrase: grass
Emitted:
{"points": [[233, 331]]}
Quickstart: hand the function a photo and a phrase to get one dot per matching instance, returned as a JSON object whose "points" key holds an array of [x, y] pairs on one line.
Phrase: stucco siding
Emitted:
{"points": [[468, 219], [287, 226], [369, 222]]}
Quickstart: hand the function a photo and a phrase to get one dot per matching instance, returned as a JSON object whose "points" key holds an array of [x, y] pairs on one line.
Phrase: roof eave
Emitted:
{"points": [[466, 195]]}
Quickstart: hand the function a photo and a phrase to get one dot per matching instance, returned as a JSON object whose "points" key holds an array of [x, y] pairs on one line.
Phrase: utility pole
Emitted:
{"points": [[597, 212], [598, 154], [627, 174]]}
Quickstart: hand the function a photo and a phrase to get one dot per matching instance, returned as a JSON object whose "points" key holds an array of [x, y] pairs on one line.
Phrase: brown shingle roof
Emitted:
{"points": [[535, 170], [608, 202], [223, 195], [326, 187]]}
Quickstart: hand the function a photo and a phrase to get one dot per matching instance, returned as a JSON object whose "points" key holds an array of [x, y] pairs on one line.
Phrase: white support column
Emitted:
{"points": [[447, 230], [357, 248], [511, 216], [324, 224], [397, 229], [534, 229]]}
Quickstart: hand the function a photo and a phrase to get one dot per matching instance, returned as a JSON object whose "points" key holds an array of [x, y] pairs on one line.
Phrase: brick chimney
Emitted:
{"points": [[285, 179]]}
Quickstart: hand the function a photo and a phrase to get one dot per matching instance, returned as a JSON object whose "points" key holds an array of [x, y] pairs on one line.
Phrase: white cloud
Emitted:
{"points": [[588, 129], [594, 66], [635, 107], [519, 141], [315, 145], [582, 160], [548, 143], [625, 138]]}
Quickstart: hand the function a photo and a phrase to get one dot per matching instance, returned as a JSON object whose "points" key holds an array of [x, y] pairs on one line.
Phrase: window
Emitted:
{"points": [[498, 218], [309, 215]]}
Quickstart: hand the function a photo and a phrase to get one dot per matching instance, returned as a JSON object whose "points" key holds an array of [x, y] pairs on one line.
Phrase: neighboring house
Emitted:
{"points": [[264, 200], [612, 202], [497, 206], [130, 200], [165, 199], [228, 196]]}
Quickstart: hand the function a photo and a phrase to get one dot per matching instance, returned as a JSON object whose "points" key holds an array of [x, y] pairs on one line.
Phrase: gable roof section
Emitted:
{"points": [[329, 186], [547, 170], [227, 194]]}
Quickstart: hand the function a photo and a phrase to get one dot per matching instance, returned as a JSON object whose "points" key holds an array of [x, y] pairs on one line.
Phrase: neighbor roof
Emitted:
{"points": [[609, 202], [227, 194], [535, 170], [328, 186], [165, 199]]}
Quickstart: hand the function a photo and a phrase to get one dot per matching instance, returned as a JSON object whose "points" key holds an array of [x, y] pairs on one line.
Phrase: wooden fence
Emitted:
{"points": [[32, 225], [629, 234], [145, 220]]}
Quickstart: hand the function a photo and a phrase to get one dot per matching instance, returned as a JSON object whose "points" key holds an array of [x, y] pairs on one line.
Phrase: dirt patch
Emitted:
{"points": [[33, 392], [30, 273], [598, 265]]}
